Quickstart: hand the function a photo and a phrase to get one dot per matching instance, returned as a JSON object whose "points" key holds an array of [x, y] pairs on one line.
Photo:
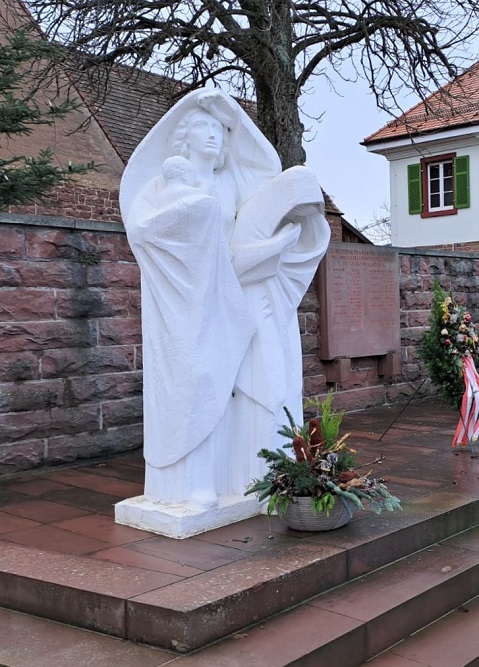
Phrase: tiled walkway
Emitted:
{"points": [[68, 512]]}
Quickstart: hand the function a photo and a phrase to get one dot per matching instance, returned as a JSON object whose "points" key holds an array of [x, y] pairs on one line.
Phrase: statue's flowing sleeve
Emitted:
{"points": [[280, 236], [195, 321]]}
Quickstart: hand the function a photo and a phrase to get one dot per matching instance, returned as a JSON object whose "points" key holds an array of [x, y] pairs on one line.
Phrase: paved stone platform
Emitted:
{"points": [[62, 557]]}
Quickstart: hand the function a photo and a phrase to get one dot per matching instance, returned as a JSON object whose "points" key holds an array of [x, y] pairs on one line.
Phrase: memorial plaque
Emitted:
{"points": [[359, 301]]}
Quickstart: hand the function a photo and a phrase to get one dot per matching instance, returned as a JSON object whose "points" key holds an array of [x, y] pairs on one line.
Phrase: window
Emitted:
{"points": [[441, 192], [438, 185]]}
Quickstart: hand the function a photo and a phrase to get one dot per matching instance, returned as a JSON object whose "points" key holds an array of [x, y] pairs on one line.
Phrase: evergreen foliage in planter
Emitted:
{"points": [[323, 469]]}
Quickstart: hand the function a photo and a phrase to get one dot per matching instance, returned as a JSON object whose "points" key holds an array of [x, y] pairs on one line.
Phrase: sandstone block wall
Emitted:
{"points": [[456, 272], [76, 200], [70, 354], [70, 339]]}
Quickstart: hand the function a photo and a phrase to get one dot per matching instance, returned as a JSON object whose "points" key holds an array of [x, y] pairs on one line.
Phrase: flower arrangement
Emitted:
{"points": [[451, 338], [323, 468]]}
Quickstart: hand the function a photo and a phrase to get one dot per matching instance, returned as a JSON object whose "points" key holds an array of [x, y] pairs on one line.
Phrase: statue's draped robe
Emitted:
{"points": [[196, 323], [222, 352]]}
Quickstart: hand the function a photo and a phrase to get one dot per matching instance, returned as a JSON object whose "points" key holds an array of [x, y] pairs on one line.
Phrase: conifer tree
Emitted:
{"points": [[24, 178]]}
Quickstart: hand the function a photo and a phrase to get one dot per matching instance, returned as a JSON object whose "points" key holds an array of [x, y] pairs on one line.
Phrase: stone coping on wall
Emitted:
{"points": [[56, 221], [107, 226], [433, 252]]}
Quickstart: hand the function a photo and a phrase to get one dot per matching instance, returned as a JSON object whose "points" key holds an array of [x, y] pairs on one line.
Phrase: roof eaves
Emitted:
{"points": [[355, 231], [411, 134]]}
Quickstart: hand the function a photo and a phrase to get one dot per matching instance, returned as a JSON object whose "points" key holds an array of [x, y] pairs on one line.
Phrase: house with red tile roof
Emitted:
{"points": [[433, 154]]}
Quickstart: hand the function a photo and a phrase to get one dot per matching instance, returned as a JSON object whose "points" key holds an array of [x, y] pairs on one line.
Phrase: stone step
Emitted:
{"points": [[452, 641], [188, 615], [347, 626], [342, 627], [29, 641]]}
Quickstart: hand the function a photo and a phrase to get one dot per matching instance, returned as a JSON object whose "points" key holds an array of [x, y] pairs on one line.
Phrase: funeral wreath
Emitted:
{"points": [[451, 338], [450, 350]]}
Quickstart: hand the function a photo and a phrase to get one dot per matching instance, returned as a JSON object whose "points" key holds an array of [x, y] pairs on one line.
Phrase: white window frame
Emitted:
{"points": [[442, 192]]}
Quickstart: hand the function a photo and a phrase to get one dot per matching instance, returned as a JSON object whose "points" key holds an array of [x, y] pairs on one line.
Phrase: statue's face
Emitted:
{"points": [[204, 134]]}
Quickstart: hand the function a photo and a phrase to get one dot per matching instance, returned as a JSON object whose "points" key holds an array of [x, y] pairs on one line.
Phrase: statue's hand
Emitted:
{"points": [[219, 107]]}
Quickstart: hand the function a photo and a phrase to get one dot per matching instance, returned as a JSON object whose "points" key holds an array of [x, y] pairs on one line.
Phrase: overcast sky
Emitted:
{"points": [[357, 181]]}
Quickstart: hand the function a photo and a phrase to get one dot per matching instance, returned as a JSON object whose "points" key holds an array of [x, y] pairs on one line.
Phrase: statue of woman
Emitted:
{"points": [[227, 245]]}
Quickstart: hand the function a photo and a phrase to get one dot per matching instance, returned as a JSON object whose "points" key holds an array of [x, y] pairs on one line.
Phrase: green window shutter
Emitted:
{"points": [[461, 181], [414, 187]]}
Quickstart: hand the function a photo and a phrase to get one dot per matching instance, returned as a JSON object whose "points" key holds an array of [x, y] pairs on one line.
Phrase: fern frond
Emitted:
{"points": [[323, 504]]}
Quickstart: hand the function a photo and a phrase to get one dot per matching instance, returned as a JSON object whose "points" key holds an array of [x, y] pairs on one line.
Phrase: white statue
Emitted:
{"points": [[227, 245]]}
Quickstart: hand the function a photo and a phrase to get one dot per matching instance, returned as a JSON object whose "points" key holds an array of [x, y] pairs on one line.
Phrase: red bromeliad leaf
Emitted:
{"points": [[347, 476], [316, 441], [301, 449]]}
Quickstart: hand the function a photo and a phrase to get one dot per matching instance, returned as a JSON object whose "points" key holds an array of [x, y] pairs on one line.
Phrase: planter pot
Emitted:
{"points": [[300, 516]]}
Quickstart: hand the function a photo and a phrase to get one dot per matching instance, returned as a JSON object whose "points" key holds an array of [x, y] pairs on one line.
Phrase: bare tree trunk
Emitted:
{"points": [[277, 90], [278, 119]]}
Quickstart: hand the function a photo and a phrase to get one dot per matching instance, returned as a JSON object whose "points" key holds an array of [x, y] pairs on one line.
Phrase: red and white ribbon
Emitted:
{"points": [[467, 430]]}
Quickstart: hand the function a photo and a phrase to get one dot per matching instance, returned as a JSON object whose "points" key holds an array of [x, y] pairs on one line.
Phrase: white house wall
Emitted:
{"points": [[412, 230]]}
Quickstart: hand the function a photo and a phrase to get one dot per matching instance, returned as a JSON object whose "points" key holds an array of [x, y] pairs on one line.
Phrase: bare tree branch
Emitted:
{"points": [[273, 48]]}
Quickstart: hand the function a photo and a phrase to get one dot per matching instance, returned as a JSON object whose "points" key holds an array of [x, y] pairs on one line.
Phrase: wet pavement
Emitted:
{"points": [[56, 526]]}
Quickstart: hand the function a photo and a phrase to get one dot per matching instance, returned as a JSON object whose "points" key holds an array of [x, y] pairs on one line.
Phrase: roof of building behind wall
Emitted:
{"points": [[127, 103]]}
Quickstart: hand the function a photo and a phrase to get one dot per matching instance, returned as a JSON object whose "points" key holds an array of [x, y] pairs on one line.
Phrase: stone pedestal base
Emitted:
{"points": [[185, 520]]}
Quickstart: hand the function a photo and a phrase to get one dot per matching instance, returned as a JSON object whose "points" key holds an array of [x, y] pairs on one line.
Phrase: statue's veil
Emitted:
{"points": [[251, 158]]}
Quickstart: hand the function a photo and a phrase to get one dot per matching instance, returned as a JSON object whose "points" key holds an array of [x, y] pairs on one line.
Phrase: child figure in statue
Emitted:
{"points": [[180, 177]]}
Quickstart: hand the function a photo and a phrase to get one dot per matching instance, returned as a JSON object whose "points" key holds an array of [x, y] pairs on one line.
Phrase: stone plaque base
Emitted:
{"points": [[185, 520]]}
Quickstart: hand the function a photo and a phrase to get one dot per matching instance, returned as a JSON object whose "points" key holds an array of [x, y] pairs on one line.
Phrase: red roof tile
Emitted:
{"points": [[454, 105]]}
